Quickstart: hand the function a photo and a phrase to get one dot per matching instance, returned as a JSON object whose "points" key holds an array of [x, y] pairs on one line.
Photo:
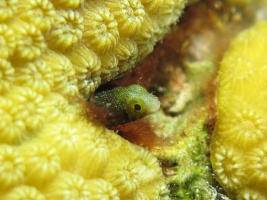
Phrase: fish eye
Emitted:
{"points": [[137, 107]]}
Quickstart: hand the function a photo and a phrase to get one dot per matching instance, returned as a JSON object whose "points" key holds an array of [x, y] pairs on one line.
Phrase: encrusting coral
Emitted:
{"points": [[53, 54], [238, 148]]}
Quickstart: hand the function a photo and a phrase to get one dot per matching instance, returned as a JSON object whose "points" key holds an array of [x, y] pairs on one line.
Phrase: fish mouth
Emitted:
{"points": [[153, 106]]}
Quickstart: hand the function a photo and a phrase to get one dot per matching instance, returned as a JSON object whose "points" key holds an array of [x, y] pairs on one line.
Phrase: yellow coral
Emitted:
{"points": [[42, 163], [53, 54], [6, 75], [12, 167], [8, 41], [23, 112], [63, 74], [30, 42], [43, 12], [67, 186], [24, 192], [128, 14], [238, 149], [67, 4], [7, 9], [37, 75], [101, 29], [97, 156], [124, 176], [67, 30], [102, 190]]}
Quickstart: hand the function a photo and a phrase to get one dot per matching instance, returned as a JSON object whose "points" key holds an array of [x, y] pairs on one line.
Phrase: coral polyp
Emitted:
{"points": [[238, 151], [12, 167]]}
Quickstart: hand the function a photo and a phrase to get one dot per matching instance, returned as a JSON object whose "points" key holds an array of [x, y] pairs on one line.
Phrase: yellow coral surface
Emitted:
{"points": [[239, 142], [53, 54]]}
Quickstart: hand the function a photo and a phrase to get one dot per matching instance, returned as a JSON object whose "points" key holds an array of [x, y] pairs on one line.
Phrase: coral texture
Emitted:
{"points": [[238, 149], [53, 54]]}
